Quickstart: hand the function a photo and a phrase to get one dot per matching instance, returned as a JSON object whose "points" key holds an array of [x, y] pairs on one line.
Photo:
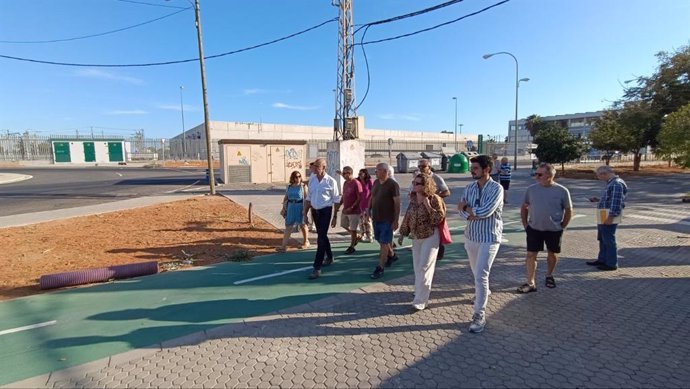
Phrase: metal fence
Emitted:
{"points": [[31, 147]]}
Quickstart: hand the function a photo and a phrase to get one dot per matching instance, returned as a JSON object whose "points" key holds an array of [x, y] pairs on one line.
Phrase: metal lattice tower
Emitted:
{"points": [[345, 116]]}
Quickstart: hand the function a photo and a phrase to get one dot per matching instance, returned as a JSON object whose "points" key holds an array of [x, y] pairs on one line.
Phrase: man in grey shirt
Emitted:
{"points": [[545, 213]]}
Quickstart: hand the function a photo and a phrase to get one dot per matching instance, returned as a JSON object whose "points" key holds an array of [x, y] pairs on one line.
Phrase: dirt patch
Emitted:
{"points": [[193, 232], [586, 172]]}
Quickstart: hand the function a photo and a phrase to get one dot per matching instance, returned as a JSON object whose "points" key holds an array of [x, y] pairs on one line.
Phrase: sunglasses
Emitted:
{"points": [[539, 174], [419, 184]]}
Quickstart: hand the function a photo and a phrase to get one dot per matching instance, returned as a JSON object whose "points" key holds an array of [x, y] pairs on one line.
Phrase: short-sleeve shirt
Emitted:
{"points": [[350, 190], [547, 205], [382, 204]]}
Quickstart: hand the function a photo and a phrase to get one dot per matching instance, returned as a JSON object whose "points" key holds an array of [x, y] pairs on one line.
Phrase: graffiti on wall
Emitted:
{"points": [[293, 159]]}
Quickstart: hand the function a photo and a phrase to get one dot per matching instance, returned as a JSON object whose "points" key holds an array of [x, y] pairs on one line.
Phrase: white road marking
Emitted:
{"points": [[119, 174], [29, 327], [240, 282], [659, 219], [180, 190]]}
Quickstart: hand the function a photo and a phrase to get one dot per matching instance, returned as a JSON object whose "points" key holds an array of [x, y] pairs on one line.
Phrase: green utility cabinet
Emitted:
{"points": [[115, 153], [89, 152], [61, 150]]}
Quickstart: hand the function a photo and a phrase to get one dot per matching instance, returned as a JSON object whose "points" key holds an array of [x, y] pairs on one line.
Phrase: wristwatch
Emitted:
{"points": [[464, 207]]}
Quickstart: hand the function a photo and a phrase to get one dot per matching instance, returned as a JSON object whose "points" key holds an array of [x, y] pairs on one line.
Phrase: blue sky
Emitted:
{"points": [[577, 53]]}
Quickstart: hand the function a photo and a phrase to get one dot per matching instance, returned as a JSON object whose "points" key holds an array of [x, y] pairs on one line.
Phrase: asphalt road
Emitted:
{"points": [[59, 188]]}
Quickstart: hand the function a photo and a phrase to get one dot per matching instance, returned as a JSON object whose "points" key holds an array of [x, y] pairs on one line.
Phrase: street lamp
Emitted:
{"points": [[456, 123], [184, 136], [517, 86]]}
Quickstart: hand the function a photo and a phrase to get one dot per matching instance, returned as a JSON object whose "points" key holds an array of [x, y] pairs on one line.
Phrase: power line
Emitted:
{"points": [[154, 5], [416, 13], [436, 26], [411, 14], [169, 62], [102, 33]]}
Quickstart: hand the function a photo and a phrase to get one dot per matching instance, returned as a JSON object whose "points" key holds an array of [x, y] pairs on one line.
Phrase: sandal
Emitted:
{"points": [[550, 282], [306, 245], [527, 288]]}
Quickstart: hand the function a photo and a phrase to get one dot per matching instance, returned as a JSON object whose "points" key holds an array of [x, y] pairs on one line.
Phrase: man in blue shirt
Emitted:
{"points": [[482, 205], [611, 205]]}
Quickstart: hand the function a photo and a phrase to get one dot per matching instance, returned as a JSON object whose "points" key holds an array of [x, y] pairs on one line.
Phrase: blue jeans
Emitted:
{"points": [[322, 220], [608, 251]]}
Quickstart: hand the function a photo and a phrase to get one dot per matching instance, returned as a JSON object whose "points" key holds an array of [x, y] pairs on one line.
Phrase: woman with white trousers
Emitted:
{"points": [[424, 213]]}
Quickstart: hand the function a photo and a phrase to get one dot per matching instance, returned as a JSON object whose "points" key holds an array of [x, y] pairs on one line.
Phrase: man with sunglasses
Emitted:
{"points": [[545, 213], [442, 191], [482, 205]]}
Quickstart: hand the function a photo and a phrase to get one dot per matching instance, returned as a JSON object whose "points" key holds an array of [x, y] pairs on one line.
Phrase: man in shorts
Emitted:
{"points": [[352, 194], [545, 213], [384, 206]]}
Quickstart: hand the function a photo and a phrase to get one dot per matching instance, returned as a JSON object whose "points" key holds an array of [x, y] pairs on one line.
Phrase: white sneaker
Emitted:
{"points": [[478, 323], [418, 307]]}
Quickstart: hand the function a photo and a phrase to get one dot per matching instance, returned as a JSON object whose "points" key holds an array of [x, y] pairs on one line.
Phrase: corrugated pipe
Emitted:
{"points": [[59, 280]]}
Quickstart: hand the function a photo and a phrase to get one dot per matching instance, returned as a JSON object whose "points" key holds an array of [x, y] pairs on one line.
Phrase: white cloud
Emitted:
{"points": [[254, 91], [394, 116], [259, 91], [295, 107], [104, 75], [173, 107], [127, 112]]}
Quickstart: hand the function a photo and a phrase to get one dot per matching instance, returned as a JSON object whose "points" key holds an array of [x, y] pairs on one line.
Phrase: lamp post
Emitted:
{"points": [[184, 135], [517, 86], [456, 124]]}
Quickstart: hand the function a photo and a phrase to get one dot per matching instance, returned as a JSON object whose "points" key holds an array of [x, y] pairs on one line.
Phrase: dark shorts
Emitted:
{"points": [[536, 240], [505, 184], [383, 232]]}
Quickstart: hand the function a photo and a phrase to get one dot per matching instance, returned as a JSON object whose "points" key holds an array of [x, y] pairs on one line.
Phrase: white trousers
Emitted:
{"points": [[424, 259], [481, 258]]}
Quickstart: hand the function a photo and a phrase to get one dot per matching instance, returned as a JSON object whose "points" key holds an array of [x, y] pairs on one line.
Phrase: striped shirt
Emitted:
{"points": [[504, 174], [487, 205], [504, 170], [613, 196]]}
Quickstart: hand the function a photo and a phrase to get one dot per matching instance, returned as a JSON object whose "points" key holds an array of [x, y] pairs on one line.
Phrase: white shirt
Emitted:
{"points": [[323, 193]]}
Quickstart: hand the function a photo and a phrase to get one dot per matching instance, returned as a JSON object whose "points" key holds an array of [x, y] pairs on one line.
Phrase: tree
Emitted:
{"points": [[674, 137], [556, 145], [660, 94], [534, 124], [638, 120], [606, 133]]}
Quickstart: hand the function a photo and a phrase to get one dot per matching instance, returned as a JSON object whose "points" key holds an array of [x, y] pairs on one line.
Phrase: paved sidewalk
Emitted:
{"points": [[627, 328], [596, 329]]}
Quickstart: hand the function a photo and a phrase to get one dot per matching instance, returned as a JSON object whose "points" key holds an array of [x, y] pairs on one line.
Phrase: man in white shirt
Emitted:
{"points": [[324, 195]]}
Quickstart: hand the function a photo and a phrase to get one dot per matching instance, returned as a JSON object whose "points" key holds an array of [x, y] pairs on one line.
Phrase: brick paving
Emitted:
{"points": [[628, 328]]}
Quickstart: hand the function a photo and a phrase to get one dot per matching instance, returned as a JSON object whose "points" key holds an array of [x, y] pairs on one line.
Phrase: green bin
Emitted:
{"points": [[458, 164]]}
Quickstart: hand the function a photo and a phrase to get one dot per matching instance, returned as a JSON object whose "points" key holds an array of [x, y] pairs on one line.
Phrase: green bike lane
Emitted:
{"points": [[86, 324]]}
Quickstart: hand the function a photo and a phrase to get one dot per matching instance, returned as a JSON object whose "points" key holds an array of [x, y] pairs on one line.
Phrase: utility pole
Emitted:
{"points": [[184, 137], [209, 157], [345, 116]]}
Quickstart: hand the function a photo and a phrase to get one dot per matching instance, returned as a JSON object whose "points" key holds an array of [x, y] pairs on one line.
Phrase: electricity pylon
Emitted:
{"points": [[345, 120]]}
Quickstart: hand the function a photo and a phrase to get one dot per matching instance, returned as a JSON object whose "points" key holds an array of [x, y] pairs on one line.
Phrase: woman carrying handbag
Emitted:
{"points": [[422, 218], [293, 210]]}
